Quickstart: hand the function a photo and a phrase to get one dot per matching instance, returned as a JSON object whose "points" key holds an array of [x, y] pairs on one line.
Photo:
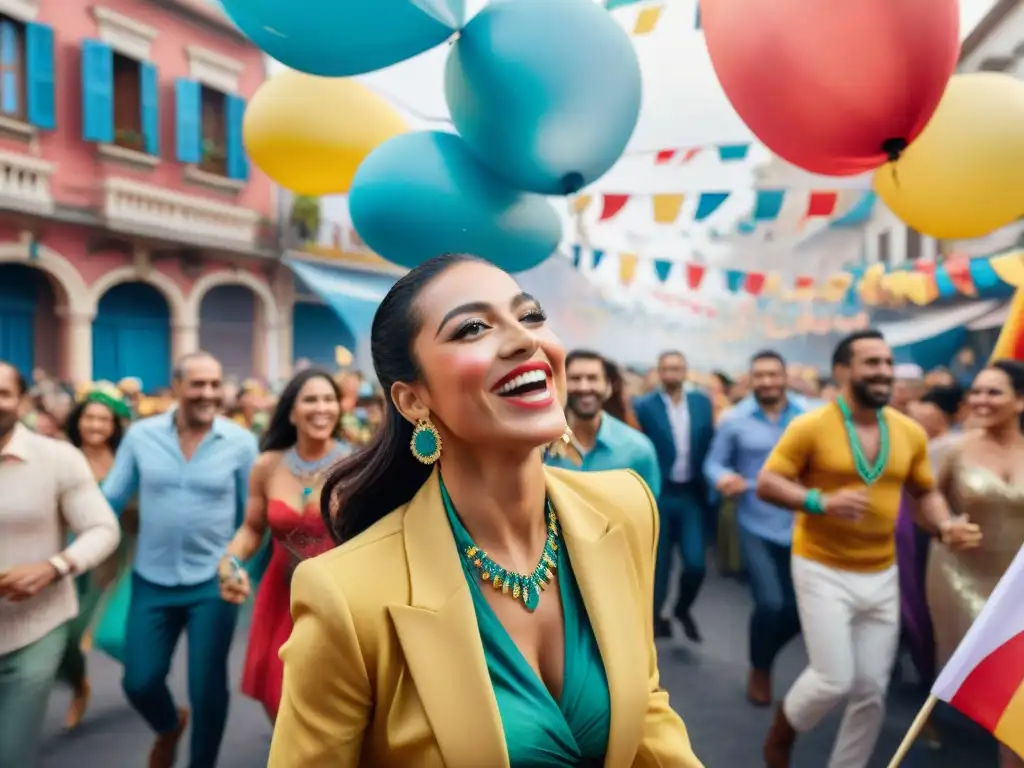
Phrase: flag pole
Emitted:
{"points": [[915, 730]]}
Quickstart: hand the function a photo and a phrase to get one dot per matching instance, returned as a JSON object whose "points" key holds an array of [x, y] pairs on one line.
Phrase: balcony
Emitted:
{"points": [[25, 184], [141, 209]]}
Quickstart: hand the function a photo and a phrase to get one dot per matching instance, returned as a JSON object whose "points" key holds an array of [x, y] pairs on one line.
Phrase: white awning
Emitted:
{"points": [[933, 323]]}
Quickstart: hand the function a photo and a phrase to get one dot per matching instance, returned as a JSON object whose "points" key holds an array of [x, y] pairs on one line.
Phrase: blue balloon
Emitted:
{"points": [[422, 194], [339, 38], [546, 92]]}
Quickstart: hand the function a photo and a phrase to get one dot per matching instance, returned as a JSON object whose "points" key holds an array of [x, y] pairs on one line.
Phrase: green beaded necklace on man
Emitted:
{"points": [[869, 472]]}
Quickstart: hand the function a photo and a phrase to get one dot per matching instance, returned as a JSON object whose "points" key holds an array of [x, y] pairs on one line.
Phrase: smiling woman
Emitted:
{"points": [[512, 623]]}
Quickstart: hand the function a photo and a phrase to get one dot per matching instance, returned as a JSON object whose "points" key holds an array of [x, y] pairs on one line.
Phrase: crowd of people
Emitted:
{"points": [[466, 517]]}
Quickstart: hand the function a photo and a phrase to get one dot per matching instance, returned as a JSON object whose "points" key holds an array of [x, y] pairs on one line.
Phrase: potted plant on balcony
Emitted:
{"points": [[214, 156], [129, 139], [305, 217]]}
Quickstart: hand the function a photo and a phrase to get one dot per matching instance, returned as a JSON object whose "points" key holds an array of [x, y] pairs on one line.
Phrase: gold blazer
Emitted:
{"points": [[385, 666]]}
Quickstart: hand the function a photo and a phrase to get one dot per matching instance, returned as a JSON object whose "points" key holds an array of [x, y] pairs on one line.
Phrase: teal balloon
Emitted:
{"points": [[546, 92], [339, 38], [422, 194]]}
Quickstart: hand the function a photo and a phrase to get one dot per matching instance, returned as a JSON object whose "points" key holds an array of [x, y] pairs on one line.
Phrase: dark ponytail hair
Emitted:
{"points": [[383, 475], [1014, 371]]}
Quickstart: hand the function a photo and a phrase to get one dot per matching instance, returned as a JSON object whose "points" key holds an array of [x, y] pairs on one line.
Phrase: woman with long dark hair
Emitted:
{"points": [[982, 475], [95, 426], [483, 609], [299, 445]]}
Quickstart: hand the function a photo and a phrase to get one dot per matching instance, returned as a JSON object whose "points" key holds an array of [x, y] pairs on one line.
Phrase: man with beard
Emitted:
{"points": [[744, 438], [48, 490], [603, 442], [190, 469], [843, 468]]}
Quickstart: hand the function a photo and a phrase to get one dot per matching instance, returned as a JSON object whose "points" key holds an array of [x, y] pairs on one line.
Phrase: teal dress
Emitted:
{"points": [[541, 732]]}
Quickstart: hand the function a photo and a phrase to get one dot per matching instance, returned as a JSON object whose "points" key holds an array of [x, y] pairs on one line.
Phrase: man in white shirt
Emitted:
{"points": [[47, 490]]}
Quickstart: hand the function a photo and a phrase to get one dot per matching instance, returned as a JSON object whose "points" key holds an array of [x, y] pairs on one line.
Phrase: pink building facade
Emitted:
{"points": [[132, 227]]}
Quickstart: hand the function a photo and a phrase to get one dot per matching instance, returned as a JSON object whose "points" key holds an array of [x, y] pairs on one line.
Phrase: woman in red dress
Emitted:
{"points": [[297, 448]]}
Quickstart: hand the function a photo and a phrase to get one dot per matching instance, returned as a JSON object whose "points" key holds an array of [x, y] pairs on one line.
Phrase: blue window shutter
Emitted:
{"points": [[238, 163], [149, 90], [97, 92], [39, 79], [188, 120]]}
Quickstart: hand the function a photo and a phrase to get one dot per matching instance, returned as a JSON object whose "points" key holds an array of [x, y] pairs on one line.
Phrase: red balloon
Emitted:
{"points": [[836, 87]]}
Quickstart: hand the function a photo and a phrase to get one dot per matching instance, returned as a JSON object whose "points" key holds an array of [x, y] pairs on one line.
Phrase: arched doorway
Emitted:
{"points": [[30, 331], [227, 328], [132, 336], [316, 332]]}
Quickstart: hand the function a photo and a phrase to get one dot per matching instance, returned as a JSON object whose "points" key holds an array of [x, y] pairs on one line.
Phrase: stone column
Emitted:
{"points": [[77, 352], [184, 339], [283, 286]]}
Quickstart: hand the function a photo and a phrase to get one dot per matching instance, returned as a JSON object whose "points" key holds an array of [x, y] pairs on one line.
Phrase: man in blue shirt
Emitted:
{"points": [[190, 469], [602, 441], [742, 442]]}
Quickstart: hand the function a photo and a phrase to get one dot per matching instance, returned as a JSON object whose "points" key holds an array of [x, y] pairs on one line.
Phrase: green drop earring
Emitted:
{"points": [[426, 442]]}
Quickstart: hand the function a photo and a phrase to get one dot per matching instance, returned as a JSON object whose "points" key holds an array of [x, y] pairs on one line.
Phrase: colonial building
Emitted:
{"points": [[132, 229]]}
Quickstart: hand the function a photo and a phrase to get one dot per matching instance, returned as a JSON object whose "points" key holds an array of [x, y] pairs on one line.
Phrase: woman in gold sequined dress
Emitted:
{"points": [[983, 477]]}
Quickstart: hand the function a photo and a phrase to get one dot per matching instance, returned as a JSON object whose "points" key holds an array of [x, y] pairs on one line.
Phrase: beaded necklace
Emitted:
{"points": [[869, 473], [526, 587], [309, 473]]}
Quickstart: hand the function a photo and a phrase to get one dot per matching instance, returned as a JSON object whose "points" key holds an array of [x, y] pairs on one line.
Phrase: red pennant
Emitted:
{"points": [[803, 282], [612, 204], [821, 204], [958, 268], [664, 156], [754, 283], [925, 266], [690, 154], [694, 275]]}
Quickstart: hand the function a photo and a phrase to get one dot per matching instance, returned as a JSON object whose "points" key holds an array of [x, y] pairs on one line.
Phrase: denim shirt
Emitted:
{"points": [[189, 510], [618, 446], [743, 440]]}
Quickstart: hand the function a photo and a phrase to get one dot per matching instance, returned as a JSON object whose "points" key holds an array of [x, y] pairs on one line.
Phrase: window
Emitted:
{"points": [[214, 157], [26, 73], [12, 68], [120, 99], [914, 244], [209, 130], [128, 104], [884, 256]]}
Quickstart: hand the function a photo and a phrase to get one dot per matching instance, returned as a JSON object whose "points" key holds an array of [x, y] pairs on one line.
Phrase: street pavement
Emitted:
{"points": [[706, 683]]}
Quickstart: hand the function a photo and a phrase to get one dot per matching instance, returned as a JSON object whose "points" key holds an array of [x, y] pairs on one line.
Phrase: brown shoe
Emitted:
{"points": [[165, 748], [76, 710], [778, 747], [759, 688]]}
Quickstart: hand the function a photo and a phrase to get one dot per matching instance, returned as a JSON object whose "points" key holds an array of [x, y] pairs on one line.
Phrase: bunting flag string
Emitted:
{"points": [[668, 207], [918, 284], [727, 153]]}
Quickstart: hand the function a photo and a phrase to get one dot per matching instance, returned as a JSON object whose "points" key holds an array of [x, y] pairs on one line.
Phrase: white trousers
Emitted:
{"points": [[851, 628]]}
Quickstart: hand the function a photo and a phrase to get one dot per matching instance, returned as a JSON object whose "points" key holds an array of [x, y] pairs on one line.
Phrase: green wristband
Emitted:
{"points": [[814, 502]]}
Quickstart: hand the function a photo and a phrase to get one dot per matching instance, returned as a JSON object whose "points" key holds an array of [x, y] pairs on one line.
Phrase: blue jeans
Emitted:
{"points": [[775, 620], [681, 509], [156, 619]]}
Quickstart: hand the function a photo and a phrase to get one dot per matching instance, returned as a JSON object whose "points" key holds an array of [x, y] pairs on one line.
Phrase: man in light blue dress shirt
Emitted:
{"points": [[745, 436], [190, 469], [603, 442]]}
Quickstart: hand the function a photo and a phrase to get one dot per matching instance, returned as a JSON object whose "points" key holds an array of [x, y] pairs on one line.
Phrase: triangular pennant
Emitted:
{"points": [[734, 280], [694, 275], [663, 269], [664, 156], [821, 204], [627, 268], [754, 283], [577, 256], [708, 203], [595, 259], [667, 208], [733, 152], [612, 205], [768, 204], [580, 203], [647, 20]]}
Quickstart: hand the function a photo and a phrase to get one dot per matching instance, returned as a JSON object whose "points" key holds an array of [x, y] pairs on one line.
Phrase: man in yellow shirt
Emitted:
{"points": [[842, 468]]}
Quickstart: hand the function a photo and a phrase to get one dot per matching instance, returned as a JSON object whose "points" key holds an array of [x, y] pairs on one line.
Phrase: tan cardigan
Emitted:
{"points": [[46, 489]]}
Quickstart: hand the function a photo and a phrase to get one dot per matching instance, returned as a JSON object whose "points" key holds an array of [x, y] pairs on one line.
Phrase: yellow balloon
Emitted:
{"points": [[962, 177], [309, 134]]}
